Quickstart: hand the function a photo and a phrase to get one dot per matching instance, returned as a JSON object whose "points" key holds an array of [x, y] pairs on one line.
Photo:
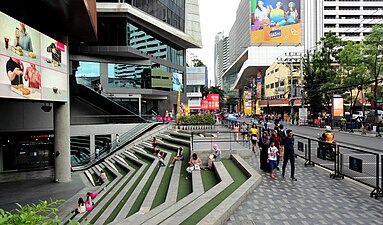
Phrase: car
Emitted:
{"points": [[356, 115]]}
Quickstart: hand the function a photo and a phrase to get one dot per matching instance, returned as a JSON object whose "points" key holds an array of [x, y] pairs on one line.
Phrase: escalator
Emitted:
{"points": [[104, 104]]}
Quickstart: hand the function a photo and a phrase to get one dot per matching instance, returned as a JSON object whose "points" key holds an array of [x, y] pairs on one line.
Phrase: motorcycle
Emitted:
{"points": [[326, 150]]}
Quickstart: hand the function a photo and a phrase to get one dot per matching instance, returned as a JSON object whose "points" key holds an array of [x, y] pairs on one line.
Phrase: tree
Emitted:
{"points": [[197, 63], [353, 71], [320, 74], [230, 101], [373, 54]]}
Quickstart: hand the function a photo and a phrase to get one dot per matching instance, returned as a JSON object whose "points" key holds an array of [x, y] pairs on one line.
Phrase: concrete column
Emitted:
{"points": [[62, 142], [92, 146], [139, 105]]}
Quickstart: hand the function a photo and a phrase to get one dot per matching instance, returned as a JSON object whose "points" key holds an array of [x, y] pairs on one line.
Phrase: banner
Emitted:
{"points": [[303, 116], [259, 84], [204, 104], [246, 104], [213, 101], [275, 21]]}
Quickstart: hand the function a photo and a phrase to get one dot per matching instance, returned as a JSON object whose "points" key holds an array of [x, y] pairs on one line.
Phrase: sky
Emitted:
{"points": [[215, 16]]}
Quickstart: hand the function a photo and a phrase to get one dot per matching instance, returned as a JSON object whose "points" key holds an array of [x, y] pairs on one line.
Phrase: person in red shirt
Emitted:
{"points": [[34, 77]]}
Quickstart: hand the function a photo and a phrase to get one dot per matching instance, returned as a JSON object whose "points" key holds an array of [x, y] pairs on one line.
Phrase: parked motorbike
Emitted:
{"points": [[325, 150]]}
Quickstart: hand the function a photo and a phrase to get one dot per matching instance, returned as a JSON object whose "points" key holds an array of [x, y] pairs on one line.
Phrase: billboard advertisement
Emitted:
{"points": [[213, 101], [204, 104], [195, 75], [275, 21], [259, 84], [32, 65], [177, 82], [337, 107]]}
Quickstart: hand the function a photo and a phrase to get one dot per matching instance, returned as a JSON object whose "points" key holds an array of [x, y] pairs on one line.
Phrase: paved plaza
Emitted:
{"points": [[313, 199]]}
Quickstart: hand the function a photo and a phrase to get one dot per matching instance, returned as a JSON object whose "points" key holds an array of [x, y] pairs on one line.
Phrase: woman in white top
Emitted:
{"points": [[80, 208]]}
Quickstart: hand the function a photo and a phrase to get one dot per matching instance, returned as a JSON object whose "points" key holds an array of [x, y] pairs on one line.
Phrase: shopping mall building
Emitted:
{"points": [[74, 68], [262, 64]]}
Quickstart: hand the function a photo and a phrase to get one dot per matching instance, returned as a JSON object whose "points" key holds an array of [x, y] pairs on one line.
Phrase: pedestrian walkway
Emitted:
{"points": [[313, 199]]}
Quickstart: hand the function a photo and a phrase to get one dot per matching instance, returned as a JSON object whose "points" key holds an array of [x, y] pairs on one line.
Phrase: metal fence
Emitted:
{"points": [[362, 165]]}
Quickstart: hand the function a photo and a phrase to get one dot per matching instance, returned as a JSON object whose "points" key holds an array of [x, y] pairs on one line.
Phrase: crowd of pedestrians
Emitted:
{"points": [[274, 144]]}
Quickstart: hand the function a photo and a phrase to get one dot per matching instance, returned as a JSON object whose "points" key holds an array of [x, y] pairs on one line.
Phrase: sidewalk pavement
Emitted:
{"points": [[40, 186], [313, 199]]}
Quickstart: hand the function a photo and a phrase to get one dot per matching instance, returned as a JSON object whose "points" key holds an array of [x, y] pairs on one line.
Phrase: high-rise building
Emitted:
{"points": [[352, 19], [141, 51], [261, 37]]}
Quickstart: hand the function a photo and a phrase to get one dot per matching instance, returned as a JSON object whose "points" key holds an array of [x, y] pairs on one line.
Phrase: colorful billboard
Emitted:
{"points": [[32, 65], [259, 84], [275, 21]]}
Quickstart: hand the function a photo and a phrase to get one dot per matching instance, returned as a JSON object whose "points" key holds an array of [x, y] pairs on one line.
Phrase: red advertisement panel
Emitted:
{"points": [[204, 104], [213, 101]]}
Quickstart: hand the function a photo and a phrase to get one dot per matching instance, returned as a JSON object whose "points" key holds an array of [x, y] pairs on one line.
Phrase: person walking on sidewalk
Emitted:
{"points": [[289, 154]]}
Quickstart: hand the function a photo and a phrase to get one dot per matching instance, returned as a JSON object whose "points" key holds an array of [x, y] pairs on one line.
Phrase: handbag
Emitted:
{"points": [[254, 138], [197, 167]]}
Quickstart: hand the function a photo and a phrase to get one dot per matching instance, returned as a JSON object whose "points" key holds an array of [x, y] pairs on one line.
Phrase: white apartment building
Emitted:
{"points": [[351, 19], [196, 79]]}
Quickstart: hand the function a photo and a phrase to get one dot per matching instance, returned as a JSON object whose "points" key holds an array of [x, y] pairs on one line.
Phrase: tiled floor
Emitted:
{"points": [[313, 199]]}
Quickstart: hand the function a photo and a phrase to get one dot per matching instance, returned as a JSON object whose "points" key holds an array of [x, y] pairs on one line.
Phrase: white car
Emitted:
{"points": [[356, 115]]}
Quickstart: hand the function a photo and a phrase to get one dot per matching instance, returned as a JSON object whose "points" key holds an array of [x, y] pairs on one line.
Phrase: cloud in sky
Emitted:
{"points": [[215, 16]]}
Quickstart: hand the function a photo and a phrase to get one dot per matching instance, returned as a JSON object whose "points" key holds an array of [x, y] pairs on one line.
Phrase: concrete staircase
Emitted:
{"points": [[128, 197]]}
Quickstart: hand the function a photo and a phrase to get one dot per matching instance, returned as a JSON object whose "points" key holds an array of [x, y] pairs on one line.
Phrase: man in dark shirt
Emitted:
{"points": [[15, 72], [288, 144]]}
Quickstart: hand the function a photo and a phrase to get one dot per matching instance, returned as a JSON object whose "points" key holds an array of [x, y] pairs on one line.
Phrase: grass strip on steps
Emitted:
{"points": [[164, 186], [136, 166], [185, 185], [100, 200], [238, 177], [120, 169], [144, 191], [117, 208], [109, 174], [209, 179]]}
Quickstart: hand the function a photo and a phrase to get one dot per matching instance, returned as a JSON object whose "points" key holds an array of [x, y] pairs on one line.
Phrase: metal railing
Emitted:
{"points": [[124, 139], [361, 165]]}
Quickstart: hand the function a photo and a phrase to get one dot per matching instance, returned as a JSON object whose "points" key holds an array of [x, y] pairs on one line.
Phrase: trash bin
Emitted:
{"points": [[351, 125]]}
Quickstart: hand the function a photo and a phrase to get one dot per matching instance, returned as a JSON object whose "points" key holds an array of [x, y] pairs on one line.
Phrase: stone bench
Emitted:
{"points": [[222, 212], [108, 211], [133, 197]]}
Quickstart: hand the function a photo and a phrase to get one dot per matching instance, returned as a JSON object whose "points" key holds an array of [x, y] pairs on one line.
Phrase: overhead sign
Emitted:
{"points": [[33, 65], [275, 21]]}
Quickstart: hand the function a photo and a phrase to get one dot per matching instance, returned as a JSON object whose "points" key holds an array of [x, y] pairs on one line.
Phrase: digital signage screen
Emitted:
{"points": [[32, 65], [275, 21]]}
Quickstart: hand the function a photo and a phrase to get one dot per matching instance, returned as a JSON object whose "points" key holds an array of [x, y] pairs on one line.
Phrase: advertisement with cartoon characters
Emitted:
{"points": [[32, 65], [275, 21]]}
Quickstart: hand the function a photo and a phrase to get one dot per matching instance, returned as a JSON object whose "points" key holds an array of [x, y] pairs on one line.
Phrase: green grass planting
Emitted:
{"points": [[185, 185], [120, 169], [165, 182], [239, 178], [126, 197], [209, 179]]}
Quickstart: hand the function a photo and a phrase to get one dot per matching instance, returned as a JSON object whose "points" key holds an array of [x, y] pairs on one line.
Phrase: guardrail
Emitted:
{"points": [[361, 165], [124, 139]]}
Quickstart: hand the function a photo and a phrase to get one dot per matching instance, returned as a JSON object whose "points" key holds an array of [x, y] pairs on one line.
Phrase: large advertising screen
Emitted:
{"points": [[275, 21], [32, 65], [337, 107]]}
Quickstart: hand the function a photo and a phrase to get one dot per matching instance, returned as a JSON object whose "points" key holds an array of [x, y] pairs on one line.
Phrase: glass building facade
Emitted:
{"points": [[171, 12]]}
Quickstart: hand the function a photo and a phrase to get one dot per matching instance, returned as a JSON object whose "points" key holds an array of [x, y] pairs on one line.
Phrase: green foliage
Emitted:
{"points": [[196, 119], [197, 63], [320, 73], [32, 214]]}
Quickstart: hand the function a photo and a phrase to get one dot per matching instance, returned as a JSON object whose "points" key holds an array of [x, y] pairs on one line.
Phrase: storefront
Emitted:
{"points": [[26, 151]]}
